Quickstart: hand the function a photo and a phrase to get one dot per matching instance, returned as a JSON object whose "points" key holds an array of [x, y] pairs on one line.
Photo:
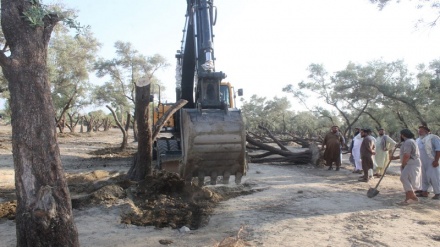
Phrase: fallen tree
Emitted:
{"points": [[282, 153]]}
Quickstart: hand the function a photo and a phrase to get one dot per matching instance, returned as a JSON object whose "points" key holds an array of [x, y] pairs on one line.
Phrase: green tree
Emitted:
{"points": [[278, 114], [70, 60], [253, 111], [399, 90], [44, 211], [347, 102], [387, 93], [305, 124], [124, 72], [131, 76]]}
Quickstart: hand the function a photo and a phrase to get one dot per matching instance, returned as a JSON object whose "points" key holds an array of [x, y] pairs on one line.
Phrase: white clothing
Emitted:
{"points": [[356, 152]]}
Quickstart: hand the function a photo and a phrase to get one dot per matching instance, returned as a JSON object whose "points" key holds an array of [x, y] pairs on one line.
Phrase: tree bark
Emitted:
{"points": [[44, 211], [142, 165]]}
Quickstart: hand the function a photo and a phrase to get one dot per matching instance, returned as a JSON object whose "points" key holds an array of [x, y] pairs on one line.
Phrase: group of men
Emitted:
{"points": [[364, 154], [370, 154]]}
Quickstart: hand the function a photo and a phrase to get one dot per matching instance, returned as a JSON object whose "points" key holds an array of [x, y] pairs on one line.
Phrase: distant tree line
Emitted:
{"points": [[71, 60], [374, 95]]}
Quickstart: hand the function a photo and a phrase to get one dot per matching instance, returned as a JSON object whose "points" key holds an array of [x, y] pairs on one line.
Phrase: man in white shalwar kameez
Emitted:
{"points": [[429, 146], [384, 144], [356, 152]]}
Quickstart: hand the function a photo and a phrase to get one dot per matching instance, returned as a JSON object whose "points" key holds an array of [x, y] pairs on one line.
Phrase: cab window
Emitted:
{"points": [[224, 94]]}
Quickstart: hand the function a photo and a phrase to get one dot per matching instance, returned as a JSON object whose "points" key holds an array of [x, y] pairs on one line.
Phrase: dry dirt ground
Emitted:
{"points": [[276, 205]]}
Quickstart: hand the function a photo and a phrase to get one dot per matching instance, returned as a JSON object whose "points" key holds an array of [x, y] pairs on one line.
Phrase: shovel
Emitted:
{"points": [[372, 192]]}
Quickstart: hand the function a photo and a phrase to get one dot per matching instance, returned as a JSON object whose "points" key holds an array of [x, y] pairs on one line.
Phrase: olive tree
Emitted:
{"points": [[44, 211]]}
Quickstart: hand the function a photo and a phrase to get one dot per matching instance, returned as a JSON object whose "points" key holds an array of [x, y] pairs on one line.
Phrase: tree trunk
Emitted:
{"points": [[61, 123], [303, 157], [127, 127], [107, 124], [123, 130], [89, 123], [141, 166], [44, 211], [73, 123], [81, 129], [135, 127]]}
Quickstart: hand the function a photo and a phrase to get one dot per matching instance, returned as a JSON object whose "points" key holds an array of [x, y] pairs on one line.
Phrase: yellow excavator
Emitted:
{"points": [[208, 135]]}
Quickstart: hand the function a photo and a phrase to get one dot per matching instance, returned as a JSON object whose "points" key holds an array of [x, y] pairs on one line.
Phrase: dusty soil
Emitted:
{"points": [[276, 205]]}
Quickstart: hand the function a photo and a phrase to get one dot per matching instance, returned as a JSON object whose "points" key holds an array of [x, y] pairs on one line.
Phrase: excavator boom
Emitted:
{"points": [[212, 133]]}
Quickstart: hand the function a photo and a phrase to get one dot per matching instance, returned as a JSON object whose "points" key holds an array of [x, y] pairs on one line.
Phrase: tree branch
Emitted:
{"points": [[161, 122]]}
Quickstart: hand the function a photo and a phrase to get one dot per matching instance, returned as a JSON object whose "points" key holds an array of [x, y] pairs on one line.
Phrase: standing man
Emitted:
{"points": [[429, 147], [352, 161], [368, 149], [356, 152], [384, 144], [411, 165], [332, 144]]}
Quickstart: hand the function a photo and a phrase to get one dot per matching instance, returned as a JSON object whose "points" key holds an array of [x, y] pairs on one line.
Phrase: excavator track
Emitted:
{"points": [[168, 154]]}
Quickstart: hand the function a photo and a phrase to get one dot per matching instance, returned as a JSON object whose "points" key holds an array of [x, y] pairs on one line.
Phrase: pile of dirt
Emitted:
{"points": [[161, 200], [164, 200]]}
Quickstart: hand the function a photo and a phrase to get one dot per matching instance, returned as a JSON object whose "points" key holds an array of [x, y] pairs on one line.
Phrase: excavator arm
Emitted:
{"points": [[197, 58]]}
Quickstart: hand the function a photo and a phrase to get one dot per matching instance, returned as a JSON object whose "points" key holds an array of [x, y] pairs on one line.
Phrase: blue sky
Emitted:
{"points": [[264, 45]]}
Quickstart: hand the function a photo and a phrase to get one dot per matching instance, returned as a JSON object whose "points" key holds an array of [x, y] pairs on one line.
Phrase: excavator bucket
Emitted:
{"points": [[213, 144]]}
